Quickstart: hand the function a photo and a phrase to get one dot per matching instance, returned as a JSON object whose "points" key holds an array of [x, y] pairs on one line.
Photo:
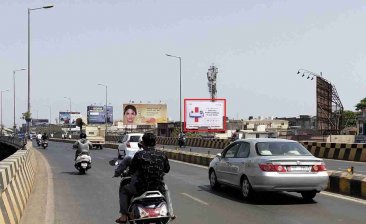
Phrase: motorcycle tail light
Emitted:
{"points": [[143, 213], [163, 209]]}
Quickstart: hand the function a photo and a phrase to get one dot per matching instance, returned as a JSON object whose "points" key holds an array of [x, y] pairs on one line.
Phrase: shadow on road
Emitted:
{"points": [[72, 173], [262, 198]]}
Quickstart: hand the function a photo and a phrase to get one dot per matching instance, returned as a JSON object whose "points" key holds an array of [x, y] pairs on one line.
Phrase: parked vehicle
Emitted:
{"points": [[83, 162], [259, 165], [128, 145]]}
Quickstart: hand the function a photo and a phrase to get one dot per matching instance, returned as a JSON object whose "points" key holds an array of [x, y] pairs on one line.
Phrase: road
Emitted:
{"points": [[93, 198], [339, 165]]}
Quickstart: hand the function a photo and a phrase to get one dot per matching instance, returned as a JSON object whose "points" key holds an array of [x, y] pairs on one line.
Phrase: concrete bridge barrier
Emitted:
{"points": [[16, 183]]}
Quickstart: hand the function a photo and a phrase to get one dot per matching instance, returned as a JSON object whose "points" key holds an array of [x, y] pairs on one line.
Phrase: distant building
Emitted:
{"points": [[361, 126], [302, 122]]}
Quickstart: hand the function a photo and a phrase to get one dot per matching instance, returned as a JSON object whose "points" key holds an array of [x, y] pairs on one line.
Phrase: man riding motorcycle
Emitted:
{"points": [[82, 145], [44, 136], [147, 167]]}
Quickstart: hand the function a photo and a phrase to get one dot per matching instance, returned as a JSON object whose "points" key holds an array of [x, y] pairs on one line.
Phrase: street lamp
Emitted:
{"points": [[29, 10], [180, 89], [1, 102], [106, 104], [14, 71], [69, 114]]}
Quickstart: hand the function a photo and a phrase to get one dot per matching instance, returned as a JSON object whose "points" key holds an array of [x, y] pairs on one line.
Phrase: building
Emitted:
{"points": [[361, 127]]}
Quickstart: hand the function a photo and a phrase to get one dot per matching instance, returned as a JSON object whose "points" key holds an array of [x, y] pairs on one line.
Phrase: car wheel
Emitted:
{"points": [[308, 195], [246, 189], [213, 180]]}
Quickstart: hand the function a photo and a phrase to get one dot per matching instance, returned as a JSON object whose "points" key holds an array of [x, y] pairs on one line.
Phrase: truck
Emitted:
{"points": [[96, 135]]}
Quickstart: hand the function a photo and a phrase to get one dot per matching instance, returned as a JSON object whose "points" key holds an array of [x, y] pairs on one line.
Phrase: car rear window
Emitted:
{"points": [[281, 149], [135, 138]]}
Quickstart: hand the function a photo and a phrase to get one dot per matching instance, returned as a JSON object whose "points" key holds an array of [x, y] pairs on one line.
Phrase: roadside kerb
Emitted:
{"points": [[16, 183], [339, 182]]}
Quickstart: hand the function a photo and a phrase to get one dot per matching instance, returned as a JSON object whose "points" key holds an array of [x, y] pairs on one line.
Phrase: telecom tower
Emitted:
{"points": [[212, 76]]}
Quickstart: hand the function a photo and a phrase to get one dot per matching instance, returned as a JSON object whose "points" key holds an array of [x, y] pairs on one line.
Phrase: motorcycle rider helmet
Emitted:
{"points": [[149, 139], [82, 135]]}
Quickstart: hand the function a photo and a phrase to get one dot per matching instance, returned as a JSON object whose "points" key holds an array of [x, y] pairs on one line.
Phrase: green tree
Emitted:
{"points": [[79, 122], [361, 104], [349, 119], [27, 116]]}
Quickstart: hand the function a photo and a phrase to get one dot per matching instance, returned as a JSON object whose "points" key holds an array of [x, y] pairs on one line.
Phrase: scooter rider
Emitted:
{"points": [[147, 168], [44, 137], [82, 145]]}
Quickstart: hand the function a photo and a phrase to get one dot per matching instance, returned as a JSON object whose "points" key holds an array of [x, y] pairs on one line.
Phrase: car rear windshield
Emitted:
{"points": [[281, 149], [135, 138]]}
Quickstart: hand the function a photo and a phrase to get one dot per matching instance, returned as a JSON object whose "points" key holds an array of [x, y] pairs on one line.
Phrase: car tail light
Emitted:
{"points": [[269, 167], [128, 144], [318, 168]]}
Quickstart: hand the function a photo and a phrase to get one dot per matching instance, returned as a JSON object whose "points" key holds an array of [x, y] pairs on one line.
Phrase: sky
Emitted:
{"points": [[257, 46]]}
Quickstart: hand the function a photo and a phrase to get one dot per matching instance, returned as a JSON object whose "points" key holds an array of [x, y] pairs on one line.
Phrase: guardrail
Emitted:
{"points": [[16, 183]]}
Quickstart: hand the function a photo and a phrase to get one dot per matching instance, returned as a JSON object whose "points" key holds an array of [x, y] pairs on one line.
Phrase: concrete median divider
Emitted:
{"points": [[16, 183], [339, 182]]}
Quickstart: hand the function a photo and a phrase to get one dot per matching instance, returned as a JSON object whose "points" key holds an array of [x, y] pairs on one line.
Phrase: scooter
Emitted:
{"points": [[83, 162], [38, 141], [44, 144], [150, 207], [182, 142]]}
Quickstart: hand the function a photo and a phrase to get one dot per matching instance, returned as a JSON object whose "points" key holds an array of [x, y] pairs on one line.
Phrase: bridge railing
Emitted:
{"points": [[13, 141]]}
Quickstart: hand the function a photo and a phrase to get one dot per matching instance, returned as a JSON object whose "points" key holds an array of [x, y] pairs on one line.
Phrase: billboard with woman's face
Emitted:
{"points": [[144, 114]]}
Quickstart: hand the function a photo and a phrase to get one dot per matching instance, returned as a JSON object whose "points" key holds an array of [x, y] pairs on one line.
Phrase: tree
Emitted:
{"points": [[349, 119], [361, 104], [27, 116], [79, 122]]}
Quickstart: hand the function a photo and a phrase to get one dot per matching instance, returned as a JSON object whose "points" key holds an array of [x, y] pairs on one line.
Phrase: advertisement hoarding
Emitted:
{"points": [[67, 117], [144, 114], [96, 114], [39, 122], [204, 115]]}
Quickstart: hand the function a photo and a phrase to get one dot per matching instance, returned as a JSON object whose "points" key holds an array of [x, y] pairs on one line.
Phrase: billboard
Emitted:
{"points": [[68, 118], [96, 114], [144, 114], [208, 115], [39, 122], [323, 104]]}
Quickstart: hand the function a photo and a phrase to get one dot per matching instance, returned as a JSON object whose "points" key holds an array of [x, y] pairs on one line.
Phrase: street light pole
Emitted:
{"points": [[14, 71], [180, 89], [69, 114], [1, 102], [29, 10], [106, 105]]}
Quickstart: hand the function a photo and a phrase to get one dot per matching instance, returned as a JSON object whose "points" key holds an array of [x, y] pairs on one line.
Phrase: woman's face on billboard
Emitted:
{"points": [[130, 116]]}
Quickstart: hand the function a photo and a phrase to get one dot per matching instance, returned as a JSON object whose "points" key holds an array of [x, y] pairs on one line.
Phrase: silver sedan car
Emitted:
{"points": [[258, 165]]}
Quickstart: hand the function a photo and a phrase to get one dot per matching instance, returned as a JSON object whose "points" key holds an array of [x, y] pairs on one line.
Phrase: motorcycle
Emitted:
{"points": [[83, 162], [44, 144], [38, 141], [150, 207], [182, 142]]}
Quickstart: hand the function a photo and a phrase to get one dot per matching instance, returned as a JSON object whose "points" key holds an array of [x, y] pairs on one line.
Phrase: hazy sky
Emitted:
{"points": [[258, 46]]}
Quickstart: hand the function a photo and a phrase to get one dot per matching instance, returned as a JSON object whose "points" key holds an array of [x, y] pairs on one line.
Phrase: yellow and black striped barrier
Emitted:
{"points": [[16, 183]]}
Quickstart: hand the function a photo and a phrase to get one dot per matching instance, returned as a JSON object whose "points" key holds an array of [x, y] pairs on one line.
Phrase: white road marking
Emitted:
{"points": [[361, 201], [195, 199]]}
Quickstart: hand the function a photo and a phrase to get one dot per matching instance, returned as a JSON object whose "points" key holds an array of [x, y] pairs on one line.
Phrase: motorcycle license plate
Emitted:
{"points": [[84, 165]]}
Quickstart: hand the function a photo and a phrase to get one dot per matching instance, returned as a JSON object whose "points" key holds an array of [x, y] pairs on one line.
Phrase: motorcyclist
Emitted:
{"points": [[82, 145], [44, 136], [182, 139], [147, 167], [235, 135], [38, 137]]}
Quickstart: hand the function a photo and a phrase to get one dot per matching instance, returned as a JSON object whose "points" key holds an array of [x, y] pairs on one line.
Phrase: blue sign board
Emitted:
{"points": [[97, 114]]}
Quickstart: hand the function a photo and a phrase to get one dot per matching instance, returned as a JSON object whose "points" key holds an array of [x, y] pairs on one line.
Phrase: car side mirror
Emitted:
{"points": [[218, 155]]}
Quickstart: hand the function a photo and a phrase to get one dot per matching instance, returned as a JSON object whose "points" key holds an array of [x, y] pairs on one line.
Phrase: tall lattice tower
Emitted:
{"points": [[212, 77]]}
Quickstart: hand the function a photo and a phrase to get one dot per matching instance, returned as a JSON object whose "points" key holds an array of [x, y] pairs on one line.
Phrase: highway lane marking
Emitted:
{"points": [[361, 201], [50, 199], [195, 199]]}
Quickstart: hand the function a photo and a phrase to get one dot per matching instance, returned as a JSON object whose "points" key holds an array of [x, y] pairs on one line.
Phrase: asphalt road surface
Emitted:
{"points": [[339, 165], [93, 198]]}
